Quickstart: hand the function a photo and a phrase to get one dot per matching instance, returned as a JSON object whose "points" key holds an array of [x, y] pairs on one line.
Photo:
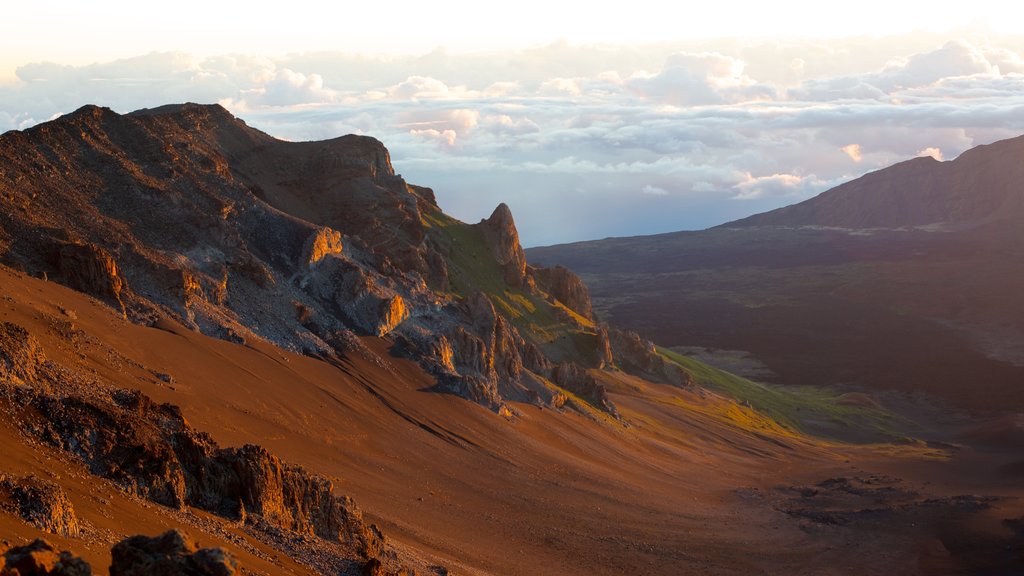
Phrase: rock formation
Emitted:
{"points": [[639, 356], [21, 356], [170, 554], [500, 229], [575, 379], [40, 558], [151, 451], [41, 503], [91, 269], [239, 235], [567, 288]]}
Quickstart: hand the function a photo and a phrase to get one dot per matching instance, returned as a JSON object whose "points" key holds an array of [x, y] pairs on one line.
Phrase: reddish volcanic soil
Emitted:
{"points": [[692, 484]]}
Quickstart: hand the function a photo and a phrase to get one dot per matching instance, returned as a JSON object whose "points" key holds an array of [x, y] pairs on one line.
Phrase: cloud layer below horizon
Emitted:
{"points": [[593, 141]]}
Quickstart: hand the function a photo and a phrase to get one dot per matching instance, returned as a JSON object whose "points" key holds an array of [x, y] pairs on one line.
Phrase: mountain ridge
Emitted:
{"points": [[901, 279], [975, 188], [185, 211]]}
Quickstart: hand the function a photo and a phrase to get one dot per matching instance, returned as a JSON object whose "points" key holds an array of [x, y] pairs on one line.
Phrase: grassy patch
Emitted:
{"points": [[472, 268], [808, 409]]}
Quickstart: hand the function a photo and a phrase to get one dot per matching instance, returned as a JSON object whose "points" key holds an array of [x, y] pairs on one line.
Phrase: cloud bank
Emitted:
{"points": [[594, 141]]}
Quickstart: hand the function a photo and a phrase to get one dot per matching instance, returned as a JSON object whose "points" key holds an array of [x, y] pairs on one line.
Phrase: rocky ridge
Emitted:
{"points": [[185, 211]]}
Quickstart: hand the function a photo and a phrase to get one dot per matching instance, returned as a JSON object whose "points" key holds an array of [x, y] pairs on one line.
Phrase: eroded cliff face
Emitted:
{"points": [[567, 288], [186, 211]]}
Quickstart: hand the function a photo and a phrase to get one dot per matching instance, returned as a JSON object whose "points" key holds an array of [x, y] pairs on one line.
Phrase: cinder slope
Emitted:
{"points": [[456, 484]]}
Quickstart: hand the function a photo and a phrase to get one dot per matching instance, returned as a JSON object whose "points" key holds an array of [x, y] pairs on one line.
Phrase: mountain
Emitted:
{"points": [[225, 353], [185, 212], [981, 186], [901, 280]]}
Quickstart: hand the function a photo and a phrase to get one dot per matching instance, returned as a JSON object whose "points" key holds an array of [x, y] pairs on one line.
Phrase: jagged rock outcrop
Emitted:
{"points": [[20, 353], [40, 558], [322, 243], [91, 269], [239, 235], [150, 450], [605, 354], [40, 502], [639, 356], [500, 229], [567, 288], [170, 554], [488, 351], [575, 379]]}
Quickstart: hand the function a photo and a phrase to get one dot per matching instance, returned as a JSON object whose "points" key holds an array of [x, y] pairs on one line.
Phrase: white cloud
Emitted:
{"points": [[777, 186], [931, 151], [592, 141], [560, 87], [447, 137], [418, 87], [459, 121], [853, 151], [695, 79]]}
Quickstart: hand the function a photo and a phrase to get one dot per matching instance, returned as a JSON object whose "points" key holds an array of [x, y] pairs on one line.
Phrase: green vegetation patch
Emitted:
{"points": [[472, 268], [812, 410]]}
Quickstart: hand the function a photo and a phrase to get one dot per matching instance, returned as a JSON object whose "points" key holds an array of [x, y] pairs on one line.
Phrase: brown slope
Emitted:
{"points": [[554, 493]]}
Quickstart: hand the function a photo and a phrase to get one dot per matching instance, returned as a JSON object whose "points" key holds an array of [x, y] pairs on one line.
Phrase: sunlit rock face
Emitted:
{"points": [[185, 211]]}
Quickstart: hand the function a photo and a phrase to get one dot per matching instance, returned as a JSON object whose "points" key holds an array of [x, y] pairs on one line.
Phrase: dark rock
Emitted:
{"points": [[373, 567], [41, 503], [605, 355], [170, 554], [91, 269], [40, 558], [640, 357], [570, 376], [501, 233], [20, 353], [151, 451], [567, 288]]}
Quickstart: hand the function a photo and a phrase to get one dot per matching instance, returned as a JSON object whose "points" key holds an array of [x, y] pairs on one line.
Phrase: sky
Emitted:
{"points": [[589, 121]]}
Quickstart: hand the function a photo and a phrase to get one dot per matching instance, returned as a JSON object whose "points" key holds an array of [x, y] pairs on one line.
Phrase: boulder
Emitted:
{"points": [[91, 269], [40, 558], [41, 503], [320, 244], [169, 554], [567, 288], [21, 355]]}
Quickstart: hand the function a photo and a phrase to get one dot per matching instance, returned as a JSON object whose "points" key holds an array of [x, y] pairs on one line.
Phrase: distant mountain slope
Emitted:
{"points": [[982, 184], [905, 279]]}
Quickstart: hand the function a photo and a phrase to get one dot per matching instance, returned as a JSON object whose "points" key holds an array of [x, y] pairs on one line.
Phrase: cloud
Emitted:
{"points": [[587, 142], [931, 151], [695, 79], [957, 61], [287, 87], [560, 87], [447, 137], [853, 151], [419, 87], [777, 186], [459, 121], [505, 124]]}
